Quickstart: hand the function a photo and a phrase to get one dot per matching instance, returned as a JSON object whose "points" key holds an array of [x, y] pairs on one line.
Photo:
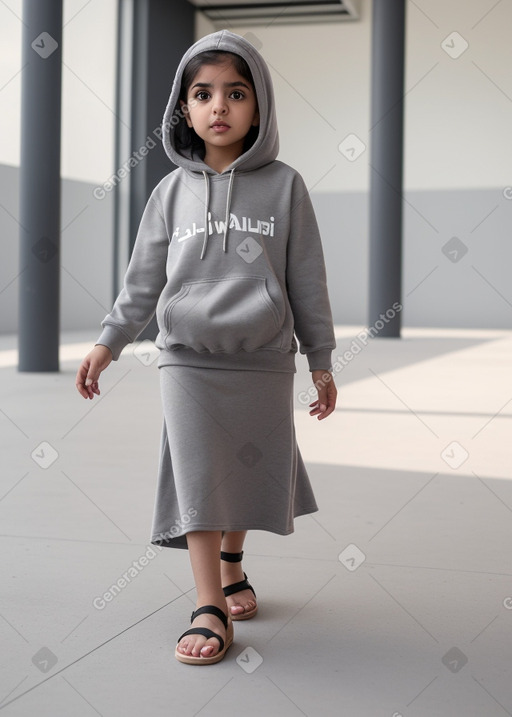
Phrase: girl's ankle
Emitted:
{"points": [[219, 601]]}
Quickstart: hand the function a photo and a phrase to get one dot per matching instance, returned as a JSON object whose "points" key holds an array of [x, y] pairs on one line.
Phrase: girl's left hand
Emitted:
{"points": [[324, 384]]}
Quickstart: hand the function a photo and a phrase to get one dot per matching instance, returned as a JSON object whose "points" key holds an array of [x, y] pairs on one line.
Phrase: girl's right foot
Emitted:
{"points": [[208, 639]]}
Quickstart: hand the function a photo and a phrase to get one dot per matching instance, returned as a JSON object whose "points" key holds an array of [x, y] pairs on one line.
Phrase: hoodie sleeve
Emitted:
{"points": [[144, 281], [306, 282]]}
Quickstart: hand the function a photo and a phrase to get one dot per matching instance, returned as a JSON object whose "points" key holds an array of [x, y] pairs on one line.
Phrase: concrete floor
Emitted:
{"points": [[395, 599]]}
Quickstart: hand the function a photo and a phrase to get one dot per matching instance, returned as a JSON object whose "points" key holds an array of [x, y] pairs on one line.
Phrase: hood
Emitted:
{"points": [[266, 145]]}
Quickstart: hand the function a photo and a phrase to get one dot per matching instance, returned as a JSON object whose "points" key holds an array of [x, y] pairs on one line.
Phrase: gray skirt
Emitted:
{"points": [[229, 458]]}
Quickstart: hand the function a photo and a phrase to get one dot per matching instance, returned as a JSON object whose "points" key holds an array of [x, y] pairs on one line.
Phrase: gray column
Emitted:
{"points": [[161, 33], [39, 290], [386, 165]]}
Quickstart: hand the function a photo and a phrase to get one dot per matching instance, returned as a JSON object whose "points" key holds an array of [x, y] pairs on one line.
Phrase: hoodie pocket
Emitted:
{"points": [[225, 315]]}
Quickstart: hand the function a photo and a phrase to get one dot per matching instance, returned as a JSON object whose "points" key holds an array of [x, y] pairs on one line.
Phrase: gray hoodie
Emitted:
{"points": [[231, 262]]}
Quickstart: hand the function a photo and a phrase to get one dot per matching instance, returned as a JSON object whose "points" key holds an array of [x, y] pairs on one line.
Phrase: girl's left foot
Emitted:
{"points": [[240, 595]]}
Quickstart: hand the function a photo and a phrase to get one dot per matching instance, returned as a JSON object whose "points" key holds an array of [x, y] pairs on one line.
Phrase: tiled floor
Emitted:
{"points": [[395, 599]]}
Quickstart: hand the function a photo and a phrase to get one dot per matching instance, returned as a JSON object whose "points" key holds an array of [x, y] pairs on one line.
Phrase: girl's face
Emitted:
{"points": [[222, 108]]}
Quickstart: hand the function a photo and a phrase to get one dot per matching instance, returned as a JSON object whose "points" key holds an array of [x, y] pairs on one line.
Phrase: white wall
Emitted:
{"points": [[457, 120], [457, 139], [88, 87], [87, 159]]}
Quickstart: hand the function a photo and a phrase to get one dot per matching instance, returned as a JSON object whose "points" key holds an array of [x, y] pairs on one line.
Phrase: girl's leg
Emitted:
{"points": [[204, 548], [243, 601]]}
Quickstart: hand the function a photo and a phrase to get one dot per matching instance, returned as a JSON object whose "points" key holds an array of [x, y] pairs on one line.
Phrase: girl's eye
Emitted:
{"points": [[237, 95], [202, 95]]}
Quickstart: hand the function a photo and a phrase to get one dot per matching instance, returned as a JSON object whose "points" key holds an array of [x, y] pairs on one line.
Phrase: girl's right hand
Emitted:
{"points": [[90, 369]]}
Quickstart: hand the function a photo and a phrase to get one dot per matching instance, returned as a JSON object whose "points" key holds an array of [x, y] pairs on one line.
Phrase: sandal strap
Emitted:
{"points": [[237, 587], [205, 632], [210, 610], [231, 557]]}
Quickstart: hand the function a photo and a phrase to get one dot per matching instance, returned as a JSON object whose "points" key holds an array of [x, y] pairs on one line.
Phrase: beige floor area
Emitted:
{"points": [[394, 600]]}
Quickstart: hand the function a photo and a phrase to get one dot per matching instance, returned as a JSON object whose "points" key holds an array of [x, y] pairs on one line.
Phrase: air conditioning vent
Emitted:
{"points": [[224, 13]]}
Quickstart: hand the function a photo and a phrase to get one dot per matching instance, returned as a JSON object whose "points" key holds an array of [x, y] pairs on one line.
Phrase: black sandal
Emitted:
{"points": [[206, 632], [238, 587]]}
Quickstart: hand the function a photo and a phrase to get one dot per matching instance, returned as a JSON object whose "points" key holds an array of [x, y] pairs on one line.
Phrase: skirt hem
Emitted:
{"points": [[179, 540]]}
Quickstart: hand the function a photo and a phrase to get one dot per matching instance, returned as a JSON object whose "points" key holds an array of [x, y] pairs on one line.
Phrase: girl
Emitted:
{"points": [[229, 256]]}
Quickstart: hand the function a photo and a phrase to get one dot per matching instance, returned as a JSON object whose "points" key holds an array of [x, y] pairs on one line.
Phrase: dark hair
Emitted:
{"points": [[186, 137]]}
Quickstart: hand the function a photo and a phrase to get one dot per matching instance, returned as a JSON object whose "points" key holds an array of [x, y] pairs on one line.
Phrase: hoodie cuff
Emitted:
{"points": [[320, 360], [113, 339]]}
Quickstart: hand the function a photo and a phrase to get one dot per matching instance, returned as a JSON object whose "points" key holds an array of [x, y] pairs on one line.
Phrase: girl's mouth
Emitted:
{"points": [[220, 127]]}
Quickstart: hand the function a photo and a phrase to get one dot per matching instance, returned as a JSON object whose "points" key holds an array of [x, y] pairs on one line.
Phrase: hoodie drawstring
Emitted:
{"points": [[228, 209], [206, 203], [206, 207]]}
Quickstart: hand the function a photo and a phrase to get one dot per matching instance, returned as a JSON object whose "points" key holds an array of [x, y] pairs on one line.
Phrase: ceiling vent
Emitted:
{"points": [[224, 13]]}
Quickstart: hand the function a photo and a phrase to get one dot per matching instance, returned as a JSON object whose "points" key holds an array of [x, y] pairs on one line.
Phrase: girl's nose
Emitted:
{"points": [[219, 106]]}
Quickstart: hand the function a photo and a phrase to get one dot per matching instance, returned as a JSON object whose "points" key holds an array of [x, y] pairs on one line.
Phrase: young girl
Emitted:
{"points": [[229, 256]]}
